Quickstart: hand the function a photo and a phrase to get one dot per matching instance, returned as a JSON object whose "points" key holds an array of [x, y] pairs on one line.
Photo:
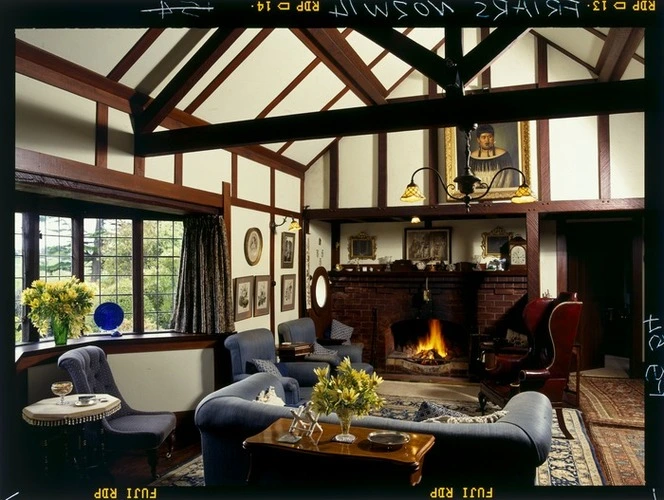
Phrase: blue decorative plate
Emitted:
{"points": [[108, 316]]}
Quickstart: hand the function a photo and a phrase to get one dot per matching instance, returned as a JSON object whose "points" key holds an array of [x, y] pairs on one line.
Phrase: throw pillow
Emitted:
{"points": [[324, 354], [270, 397], [264, 365], [429, 409], [341, 331], [467, 419]]}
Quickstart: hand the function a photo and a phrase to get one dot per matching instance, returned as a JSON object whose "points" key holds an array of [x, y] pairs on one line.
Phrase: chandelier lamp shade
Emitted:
{"points": [[468, 186], [293, 226]]}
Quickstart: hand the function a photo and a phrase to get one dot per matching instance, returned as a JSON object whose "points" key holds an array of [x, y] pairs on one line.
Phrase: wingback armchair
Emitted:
{"points": [[297, 377], [127, 429], [544, 365], [304, 330]]}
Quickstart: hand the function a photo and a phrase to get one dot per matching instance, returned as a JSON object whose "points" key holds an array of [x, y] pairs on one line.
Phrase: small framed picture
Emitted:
{"points": [[253, 246], [494, 241], [287, 292], [428, 244], [287, 250], [262, 295], [243, 296]]}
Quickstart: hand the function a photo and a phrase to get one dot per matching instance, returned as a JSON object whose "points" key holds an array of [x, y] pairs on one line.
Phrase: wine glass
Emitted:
{"points": [[62, 389]]}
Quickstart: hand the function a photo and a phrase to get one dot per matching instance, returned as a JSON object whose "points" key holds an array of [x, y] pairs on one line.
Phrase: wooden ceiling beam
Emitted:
{"points": [[531, 104], [617, 51], [337, 54], [440, 70], [197, 65], [135, 53]]}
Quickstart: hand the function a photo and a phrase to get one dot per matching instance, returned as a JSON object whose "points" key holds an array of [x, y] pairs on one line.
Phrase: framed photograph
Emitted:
{"points": [[287, 250], [362, 246], [428, 244], [243, 296], [261, 295], [493, 242], [492, 146], [253, 245], [287, 292]]}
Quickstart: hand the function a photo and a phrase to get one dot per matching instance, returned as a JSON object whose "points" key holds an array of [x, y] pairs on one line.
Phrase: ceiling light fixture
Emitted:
{"points": [[415, 220], [467, 183], [294, 225]]}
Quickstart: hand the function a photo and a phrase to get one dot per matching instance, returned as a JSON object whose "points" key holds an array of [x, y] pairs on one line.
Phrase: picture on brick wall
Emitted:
{"points": [[428, 244], [287, 292]]}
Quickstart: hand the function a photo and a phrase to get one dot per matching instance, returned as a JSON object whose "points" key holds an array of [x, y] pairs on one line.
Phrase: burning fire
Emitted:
{"points": [[431, 348]]}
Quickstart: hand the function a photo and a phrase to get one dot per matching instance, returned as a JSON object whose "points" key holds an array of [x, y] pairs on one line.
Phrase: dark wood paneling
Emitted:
{"points": [[604, 157]]}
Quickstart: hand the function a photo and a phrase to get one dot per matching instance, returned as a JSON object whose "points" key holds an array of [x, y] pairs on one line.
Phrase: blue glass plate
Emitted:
{"points": [[108, 316]]}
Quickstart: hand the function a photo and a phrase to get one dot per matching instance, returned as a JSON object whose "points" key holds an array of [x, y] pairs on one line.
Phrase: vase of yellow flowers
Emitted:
{"points": [[59, 307], [349, 393]]}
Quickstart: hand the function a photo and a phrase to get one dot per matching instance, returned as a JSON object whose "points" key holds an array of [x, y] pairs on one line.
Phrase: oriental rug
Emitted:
{"points": [[570, 463], [612, 401]]}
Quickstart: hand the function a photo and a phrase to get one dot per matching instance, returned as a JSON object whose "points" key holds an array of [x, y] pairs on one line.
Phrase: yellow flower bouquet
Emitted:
{"points": [[66, 302], [348, 393]]}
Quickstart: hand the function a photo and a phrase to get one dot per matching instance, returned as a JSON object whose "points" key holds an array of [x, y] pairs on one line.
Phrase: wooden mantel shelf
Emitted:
{"points": [[416, 275]]}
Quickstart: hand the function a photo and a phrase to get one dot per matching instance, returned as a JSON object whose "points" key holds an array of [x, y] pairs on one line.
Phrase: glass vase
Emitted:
{"points": [[60, 329], [345, 418]]}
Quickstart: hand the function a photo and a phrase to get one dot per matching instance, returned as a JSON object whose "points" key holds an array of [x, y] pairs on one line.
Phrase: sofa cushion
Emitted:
{"points": [[340, 331], [264, 365], [431, 411]]}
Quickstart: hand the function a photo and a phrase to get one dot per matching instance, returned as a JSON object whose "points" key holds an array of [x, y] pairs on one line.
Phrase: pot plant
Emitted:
{"points": [[59, 306], [349, 393]]}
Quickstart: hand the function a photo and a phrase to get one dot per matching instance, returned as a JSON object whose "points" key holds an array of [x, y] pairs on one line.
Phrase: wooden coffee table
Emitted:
{"points": [[308, 457]]}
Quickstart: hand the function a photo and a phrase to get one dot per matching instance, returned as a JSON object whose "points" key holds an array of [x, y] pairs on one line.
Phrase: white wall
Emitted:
{"points": [[150, 381]]}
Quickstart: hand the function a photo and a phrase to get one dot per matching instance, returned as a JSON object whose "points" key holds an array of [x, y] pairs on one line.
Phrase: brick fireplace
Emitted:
{"points": [[478, 303]]}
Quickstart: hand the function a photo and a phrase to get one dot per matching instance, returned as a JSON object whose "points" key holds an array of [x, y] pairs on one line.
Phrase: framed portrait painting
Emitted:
{"points": [[428, 244], [243, 297], [492, 146], [261, 295], [253, 245], [287, 250], [287, 292]]}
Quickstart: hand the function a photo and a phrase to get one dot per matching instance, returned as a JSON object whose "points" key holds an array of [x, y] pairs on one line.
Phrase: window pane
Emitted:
{"points": [[162, 241], [19, 284], [108, 265], [55, 247]]}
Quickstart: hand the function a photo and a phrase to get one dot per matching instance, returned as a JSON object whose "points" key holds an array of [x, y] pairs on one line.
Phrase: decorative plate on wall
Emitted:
{"points": [[253, 245]]}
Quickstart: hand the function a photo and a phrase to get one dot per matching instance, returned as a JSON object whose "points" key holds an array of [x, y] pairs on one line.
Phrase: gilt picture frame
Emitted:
{"points": [[262, 290], [494, 241], [243, 297], [428, 244], [288, 289], [362, 247], [512, 137]]}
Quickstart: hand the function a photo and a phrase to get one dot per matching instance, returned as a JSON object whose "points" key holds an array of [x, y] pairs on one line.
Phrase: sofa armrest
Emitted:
{"points": [[353, 351]]}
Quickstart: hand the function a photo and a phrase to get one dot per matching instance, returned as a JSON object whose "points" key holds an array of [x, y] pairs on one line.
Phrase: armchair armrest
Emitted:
{"points": [[303, 371], [534, 375], [505, 364], [353, 351]]}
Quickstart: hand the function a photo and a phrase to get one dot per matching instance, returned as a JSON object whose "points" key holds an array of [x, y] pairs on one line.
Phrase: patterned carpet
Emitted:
{"points": [[613, 410], [570, 463]]}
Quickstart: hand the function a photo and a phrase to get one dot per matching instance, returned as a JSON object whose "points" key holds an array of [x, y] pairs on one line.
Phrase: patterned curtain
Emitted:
{"points": [[204, 299]]}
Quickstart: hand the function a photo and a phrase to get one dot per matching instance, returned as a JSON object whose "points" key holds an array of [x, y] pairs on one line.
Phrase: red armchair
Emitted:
{"points": [[544, 365]]}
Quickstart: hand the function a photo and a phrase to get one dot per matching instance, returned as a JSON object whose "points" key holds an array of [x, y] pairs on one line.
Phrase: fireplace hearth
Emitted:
{"points": [[430, 347]]}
